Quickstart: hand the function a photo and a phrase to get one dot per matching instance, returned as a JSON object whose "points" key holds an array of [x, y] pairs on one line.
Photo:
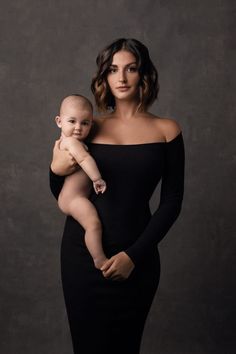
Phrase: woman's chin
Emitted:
{"points": [[126, 96]]}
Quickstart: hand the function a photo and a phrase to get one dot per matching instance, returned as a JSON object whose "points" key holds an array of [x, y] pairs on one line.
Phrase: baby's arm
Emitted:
{"points": [[86, 161], [63, 163]]}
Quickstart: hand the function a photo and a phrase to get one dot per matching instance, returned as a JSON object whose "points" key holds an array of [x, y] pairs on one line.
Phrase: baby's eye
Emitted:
{"points": [[85, 123], [71, 121]]}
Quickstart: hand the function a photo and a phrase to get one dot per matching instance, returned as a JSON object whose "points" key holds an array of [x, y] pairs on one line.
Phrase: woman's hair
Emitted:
{"points": [[149, 85]]}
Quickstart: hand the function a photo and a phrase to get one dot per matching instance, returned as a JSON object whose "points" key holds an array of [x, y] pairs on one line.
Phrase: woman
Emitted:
{"points": [[134, 149]]}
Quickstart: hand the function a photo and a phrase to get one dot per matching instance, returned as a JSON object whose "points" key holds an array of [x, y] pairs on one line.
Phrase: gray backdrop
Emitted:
{"points": [[48, 50]]}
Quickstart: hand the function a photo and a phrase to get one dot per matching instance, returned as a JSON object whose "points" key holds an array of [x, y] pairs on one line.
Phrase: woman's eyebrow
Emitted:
{"points": [[115, 65]]}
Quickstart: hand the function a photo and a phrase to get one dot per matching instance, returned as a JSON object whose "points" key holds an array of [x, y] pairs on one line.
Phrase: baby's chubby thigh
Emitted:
{"points": [[76, 185]]}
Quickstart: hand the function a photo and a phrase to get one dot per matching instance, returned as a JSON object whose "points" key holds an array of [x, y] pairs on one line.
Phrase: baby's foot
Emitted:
{"points": [[98, 262]]}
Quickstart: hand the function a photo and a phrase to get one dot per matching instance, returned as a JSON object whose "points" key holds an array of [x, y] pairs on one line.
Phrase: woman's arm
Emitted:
{"points": [[172, 190], [62, 164], [56, 183]]}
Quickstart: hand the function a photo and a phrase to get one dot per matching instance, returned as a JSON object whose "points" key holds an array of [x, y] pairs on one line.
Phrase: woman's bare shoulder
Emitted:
{"points": [[97, 126], [169, 127]]}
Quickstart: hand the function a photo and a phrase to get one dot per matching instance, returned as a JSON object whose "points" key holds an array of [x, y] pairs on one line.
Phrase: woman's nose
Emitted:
{"points": [[122, 77]]}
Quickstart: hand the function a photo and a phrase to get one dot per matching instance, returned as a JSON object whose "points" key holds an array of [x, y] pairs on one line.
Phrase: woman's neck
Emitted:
{"points": [[126, 110]]}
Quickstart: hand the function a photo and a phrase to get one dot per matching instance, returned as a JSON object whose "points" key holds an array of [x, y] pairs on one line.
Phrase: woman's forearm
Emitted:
{"points": [[172, 191]]}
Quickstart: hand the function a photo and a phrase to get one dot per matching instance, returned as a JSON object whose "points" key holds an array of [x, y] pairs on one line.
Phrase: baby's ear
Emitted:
{"points": [[58, 121]]}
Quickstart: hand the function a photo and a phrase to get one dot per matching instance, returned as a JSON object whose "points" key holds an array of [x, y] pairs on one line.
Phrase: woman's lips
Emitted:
{"points": [[123, 88]]}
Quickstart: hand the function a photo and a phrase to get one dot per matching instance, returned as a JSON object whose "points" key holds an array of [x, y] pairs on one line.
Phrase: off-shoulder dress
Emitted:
{"points": [[107, 316]]}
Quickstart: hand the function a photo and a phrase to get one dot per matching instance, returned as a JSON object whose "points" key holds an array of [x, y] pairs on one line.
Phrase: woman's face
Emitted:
{"points": [[123, 76]]}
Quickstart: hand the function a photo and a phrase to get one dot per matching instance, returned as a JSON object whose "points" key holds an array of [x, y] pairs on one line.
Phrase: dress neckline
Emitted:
{"points": [[141, 144]]}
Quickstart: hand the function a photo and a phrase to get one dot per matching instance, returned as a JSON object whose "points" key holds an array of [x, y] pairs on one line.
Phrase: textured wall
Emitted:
{"points": [[48, 50]]}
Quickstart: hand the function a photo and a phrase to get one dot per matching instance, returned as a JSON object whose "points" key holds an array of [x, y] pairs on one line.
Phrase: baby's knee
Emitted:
{"points": [[95, 225]]}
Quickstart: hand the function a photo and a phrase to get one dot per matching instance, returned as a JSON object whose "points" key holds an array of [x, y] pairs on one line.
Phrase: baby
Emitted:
{"points": [[75, 121]]}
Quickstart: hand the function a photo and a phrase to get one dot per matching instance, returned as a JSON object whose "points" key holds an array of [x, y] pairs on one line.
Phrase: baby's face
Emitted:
{"points": [[75, 121]]}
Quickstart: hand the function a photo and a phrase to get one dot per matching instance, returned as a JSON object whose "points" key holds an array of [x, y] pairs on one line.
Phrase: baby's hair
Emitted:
{"points": [[83, 98], [80, 98]]}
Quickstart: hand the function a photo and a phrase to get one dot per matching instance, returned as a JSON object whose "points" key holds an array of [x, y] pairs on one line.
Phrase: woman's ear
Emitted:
{"points": [[58, 121]]}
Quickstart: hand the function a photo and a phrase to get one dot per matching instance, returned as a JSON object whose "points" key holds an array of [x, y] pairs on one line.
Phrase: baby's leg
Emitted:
{"points": [[81, 209], [73, 200]]}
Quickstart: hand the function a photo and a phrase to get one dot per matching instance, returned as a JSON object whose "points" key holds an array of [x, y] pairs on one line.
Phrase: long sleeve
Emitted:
{"points": [[56, 183], [172, 191]]}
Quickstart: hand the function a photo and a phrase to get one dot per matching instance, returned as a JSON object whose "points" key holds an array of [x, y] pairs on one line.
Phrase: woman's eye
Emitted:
{"points": [[132, 69], [112, 70]]}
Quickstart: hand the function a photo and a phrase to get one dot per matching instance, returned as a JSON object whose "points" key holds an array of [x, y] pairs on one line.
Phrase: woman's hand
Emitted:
{"points": [[118, 267], [63, 163]]}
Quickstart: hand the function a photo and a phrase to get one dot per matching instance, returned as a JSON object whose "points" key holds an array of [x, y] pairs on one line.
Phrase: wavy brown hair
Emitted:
{"points": [[149, 86]]}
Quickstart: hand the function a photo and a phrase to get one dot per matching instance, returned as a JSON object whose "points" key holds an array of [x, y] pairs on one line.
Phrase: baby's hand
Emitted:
{"points": [[99, 186]]}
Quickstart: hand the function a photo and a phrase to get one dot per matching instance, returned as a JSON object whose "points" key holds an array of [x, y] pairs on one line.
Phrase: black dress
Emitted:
{"points": [[108, 316]]}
